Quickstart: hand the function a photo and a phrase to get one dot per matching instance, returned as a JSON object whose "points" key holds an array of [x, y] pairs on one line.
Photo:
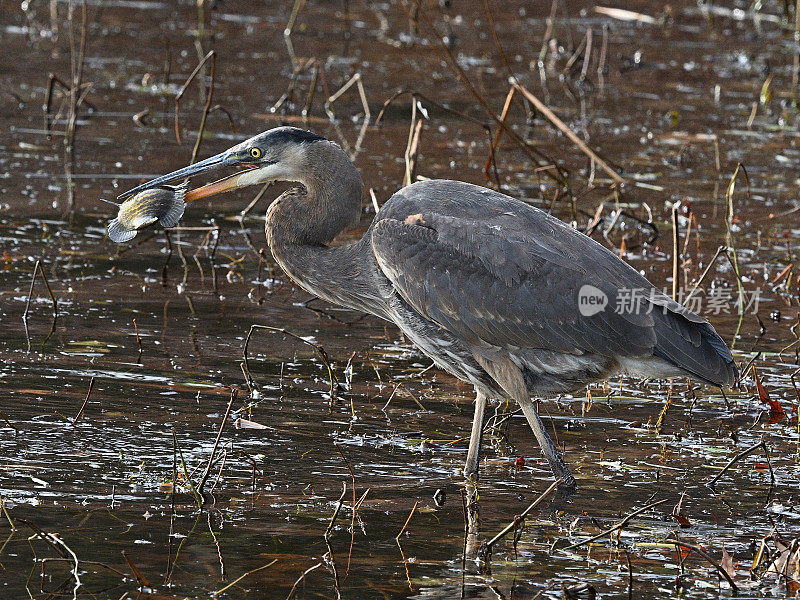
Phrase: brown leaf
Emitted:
{"points": [[776, 412], [676, 513], [727, 564], [683, 521]]}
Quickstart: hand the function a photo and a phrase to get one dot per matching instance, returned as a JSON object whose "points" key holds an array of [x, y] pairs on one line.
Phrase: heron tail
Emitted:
{"points": [[695, 347]]}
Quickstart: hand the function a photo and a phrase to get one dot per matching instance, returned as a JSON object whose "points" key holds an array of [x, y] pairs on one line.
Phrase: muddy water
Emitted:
{"points": [[100, 482]]}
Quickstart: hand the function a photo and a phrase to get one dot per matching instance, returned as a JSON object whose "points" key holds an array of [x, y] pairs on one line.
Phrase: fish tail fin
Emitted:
{"points": [[119, 233], [177, 207]]}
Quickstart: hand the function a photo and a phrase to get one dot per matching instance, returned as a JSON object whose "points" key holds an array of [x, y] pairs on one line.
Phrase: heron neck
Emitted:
{"points": [[328, 202], [303, 221]]}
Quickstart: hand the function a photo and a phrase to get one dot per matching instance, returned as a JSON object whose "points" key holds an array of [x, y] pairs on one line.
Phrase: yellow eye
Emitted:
{"points": [[255, 152]]}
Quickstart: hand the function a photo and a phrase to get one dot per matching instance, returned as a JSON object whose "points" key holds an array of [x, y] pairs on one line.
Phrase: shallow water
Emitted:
{"points": [[101, 482]]}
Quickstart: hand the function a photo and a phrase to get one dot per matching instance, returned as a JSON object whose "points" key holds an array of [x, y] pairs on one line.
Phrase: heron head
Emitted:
{"points": [[276, 154]]}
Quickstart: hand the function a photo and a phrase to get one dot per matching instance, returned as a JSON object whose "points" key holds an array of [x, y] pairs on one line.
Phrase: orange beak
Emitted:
{"points": [[228, 158], [212, 189]]}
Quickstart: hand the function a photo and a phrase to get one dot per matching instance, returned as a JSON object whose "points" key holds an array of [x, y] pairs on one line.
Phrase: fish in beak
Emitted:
{"points": [[230, 158], [276, 154], [209, 164], [164, 204]]}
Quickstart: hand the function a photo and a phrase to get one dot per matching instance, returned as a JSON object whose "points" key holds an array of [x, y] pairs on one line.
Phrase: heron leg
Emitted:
{"points": [[473, 454], [508, 375], [472, 514], [471, 470], [549, 449]]}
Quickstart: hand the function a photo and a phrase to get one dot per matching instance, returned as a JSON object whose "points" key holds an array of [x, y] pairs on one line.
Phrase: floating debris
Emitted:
{"points": [[246, 424], [164, 204]]}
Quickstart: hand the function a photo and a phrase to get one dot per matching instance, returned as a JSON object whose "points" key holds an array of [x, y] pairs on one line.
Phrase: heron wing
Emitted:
{"points": [[500, 273]]}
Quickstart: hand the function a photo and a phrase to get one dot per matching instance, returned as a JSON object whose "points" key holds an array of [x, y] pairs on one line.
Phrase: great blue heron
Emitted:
{"points": [[493, 290]]}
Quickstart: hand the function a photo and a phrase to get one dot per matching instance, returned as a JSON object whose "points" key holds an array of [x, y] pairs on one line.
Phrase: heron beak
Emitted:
{"points": [[240, 179], [224, 159]]}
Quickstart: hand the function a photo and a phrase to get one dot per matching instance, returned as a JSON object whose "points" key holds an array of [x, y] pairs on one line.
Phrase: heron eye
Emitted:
{"points": [[255, 152]]}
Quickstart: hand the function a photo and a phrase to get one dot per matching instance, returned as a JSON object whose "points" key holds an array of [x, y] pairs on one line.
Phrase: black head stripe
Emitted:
{"points": [[292, 134]]}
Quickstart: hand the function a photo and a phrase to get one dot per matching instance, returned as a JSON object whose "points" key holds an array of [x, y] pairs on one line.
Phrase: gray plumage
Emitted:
{"points": [[505, 276], [490, 288]]}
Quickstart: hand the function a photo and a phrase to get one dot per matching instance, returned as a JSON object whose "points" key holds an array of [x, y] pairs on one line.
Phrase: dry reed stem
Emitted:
{"points": [[575, 55], [76, 68], [334, 383], [622, 14], [301, 578], [408, 520], [619, 525], [720, 249], [731, 253], [211, 55], [287, 32], [410, 155], [705, 555], [141, 579], [551, 116], [85, 400], [587, 56], [204, 478], [206, 109], [353, 515], [601, 61], [676, 253], [5, 513], [461, 76], [54, 80], [418, 96], [494, 143], [503, 57], [38, 266], [336, 510], [238, 579], [796, 53], [138, 338], [486, 549], [744, 453], [61, 547], [289, 93], [354, 80]]}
